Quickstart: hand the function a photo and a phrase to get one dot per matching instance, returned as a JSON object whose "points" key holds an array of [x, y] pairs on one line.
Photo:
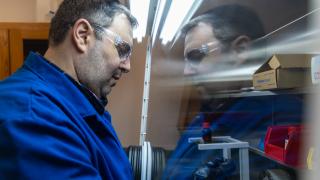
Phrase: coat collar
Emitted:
{"points": [[74, 92]]}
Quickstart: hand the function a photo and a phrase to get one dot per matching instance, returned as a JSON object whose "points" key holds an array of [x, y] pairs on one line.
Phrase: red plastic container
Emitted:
{"points": [[283, 143]]}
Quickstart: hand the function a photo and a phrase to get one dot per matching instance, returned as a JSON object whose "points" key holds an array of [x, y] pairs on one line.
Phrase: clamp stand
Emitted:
{"points": [[226, 143]]}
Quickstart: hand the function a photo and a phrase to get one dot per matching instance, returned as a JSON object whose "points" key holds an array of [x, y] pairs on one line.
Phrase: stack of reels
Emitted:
{"points": [[158, 162], [146, 164], [135, 157]]}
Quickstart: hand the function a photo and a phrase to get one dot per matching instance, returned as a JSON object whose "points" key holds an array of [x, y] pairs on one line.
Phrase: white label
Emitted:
{"points": [[315, 70]]}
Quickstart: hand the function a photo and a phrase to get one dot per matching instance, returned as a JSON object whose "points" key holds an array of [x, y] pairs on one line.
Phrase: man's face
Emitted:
{"points": [[201, 49], [102, 67]]}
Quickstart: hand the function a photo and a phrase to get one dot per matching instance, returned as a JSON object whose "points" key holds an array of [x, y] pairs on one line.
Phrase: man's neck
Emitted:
{"points": [[63, 60]]}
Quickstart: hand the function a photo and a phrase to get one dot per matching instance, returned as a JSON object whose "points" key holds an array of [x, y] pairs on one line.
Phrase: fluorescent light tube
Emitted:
{"points": [[158, 16], [177, 13], [140, 10]]}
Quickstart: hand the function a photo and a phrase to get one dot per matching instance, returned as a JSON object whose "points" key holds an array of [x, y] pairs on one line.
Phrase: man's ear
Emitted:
{"points": [[82, 34], [240, 44]]}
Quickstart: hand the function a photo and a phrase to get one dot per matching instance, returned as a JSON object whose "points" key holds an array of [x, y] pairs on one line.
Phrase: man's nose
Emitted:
{"points": [[189, 70], [125, 65]]}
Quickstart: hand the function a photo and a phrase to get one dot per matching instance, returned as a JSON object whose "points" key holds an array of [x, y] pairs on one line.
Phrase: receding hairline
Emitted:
{"points": [[103, 15]]}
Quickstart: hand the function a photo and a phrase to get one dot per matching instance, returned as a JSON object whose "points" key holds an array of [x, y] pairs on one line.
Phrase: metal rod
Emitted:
{"points": [[145, 98]]}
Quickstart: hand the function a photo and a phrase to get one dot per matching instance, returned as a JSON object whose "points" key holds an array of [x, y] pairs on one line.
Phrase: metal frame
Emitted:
{"points": [[146, 164], [227, 144], [145, 98]]}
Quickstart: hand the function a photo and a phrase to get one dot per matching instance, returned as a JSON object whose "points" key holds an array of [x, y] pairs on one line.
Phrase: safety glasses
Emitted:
{"points": [[195, 56], [123, 48]]}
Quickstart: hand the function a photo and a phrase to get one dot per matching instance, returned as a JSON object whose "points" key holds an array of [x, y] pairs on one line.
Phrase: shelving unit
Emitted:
{"points": [[262, 154], [273, 97], [226, 143], [253, 93], [294, 171]]}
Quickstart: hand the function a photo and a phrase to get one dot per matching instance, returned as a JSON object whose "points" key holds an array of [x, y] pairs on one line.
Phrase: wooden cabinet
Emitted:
{"points": [[16, 40], [4, 53]]}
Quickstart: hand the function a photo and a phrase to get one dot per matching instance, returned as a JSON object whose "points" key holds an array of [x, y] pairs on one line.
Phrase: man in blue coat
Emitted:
{"points": [[53, 123]]}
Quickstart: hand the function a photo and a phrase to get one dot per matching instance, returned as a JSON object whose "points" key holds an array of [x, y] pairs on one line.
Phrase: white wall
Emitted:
{"points": [[125, 100], [43, 7], [27, 10], [17, 10], [165, 97]]}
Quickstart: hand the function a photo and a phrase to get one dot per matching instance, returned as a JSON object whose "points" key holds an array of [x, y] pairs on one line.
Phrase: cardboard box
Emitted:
{"points": [[283, 71], [315, 69]]}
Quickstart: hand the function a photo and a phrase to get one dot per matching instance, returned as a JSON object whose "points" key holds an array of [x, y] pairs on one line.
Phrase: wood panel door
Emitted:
{"points": [[4, 53], [17, 38]]}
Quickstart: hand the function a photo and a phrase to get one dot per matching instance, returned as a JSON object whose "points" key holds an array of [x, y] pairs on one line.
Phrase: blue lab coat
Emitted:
{"points": [[50, 129]]}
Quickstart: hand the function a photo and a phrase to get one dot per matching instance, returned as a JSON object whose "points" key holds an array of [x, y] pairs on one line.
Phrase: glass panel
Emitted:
{"points": [[203, 85]]}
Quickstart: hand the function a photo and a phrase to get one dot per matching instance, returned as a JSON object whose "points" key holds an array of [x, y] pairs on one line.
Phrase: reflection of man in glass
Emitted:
{"points": [[220, 36], [226, 30]]}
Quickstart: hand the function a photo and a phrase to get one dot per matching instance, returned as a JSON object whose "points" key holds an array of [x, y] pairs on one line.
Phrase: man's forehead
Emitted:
{"points": [[200, 34], [122, 27]]}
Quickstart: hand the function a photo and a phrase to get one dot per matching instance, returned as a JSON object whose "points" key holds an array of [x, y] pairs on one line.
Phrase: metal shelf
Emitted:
{"points": [[252, 93], [261, 153]]}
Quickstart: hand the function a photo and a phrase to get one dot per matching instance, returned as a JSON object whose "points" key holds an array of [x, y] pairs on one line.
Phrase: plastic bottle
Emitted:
{"points": [[206, 132]]}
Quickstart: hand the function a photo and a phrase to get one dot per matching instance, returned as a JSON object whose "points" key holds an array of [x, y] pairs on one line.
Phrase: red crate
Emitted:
{"points": [[283, 143]]}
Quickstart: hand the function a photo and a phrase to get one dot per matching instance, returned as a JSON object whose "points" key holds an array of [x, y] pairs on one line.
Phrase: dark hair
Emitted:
{"points": [[99, 12], [228, 22]]}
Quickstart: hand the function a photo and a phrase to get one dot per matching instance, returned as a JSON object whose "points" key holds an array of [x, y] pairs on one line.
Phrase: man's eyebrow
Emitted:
{"points": [[186, 51], [189, 48]]}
